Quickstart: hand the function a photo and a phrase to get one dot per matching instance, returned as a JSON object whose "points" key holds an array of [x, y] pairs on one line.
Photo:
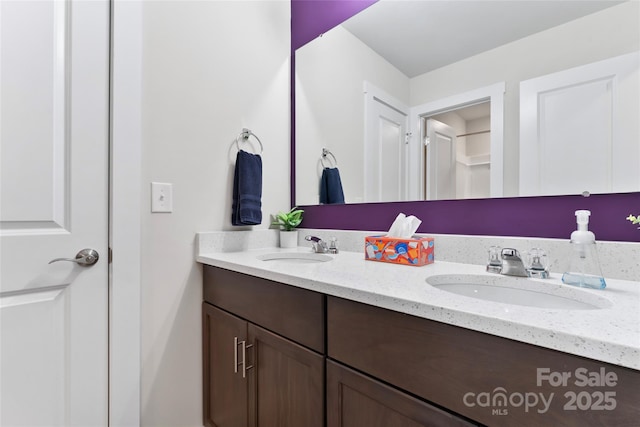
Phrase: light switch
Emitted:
{"points": [[161, 197]]}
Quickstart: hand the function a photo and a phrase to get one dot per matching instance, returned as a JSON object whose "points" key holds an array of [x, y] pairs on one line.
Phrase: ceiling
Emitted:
{"points": [[448, 31]]}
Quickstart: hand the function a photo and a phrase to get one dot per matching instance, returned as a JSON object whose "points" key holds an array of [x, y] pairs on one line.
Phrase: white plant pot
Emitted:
{"points": [[289, 239]]}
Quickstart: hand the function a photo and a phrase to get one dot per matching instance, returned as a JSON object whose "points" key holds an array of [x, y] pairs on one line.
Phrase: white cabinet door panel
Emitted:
{"points": [[579, 130]]}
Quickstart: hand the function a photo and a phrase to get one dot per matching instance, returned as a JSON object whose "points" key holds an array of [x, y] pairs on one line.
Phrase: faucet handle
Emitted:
{"points": [[495, 262], [537, 263], [494, 255], [333, 246]]}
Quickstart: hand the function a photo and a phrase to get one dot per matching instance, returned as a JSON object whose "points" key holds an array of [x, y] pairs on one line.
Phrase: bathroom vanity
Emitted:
{"points": [[344, 343], [280, 377]]}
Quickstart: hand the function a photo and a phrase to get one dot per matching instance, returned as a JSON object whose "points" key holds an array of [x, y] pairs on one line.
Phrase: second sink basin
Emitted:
{"points": [[518, 291], [295, 257]]}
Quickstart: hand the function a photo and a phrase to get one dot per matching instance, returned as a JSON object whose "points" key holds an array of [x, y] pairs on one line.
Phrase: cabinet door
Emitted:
{"points": [[355, 400], [224, 390], [286, 382]]}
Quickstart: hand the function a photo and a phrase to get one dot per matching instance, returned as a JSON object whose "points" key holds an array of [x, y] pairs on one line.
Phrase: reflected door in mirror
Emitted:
{"points": [[385, 152], [441, 161], [579, 129]]}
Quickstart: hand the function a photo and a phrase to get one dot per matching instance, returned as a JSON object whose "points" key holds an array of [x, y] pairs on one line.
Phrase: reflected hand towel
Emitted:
{"points": [[331, 187], [247, 189]]}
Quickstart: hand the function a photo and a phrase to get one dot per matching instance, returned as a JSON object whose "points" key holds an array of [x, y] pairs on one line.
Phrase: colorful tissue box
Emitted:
{"points": [[417, 251]]}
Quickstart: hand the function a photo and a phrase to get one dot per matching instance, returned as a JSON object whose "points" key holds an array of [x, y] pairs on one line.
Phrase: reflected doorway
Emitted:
{"points": [[457, 153]]}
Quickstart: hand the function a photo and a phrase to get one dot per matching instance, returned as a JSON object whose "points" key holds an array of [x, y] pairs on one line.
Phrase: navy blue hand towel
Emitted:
{"points": [[247, 189], [331, 187]]}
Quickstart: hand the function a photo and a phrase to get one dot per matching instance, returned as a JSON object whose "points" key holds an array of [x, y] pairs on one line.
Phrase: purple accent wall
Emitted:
{"points": [[310, 18], [548, 217]]}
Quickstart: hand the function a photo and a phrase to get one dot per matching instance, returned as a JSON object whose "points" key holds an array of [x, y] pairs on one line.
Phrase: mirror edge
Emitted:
{"points": [[542, 217]]}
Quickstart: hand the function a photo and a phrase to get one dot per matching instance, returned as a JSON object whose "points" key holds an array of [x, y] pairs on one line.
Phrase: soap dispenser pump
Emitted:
{"points": [[584, 266]]}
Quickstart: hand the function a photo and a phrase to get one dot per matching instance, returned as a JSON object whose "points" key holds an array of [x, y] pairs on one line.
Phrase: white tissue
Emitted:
{"points": [[404, 227], [396, 227]]}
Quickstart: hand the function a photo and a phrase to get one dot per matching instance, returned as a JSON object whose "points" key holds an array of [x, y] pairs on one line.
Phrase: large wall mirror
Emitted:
{"points": [[433, 100], [449, 100]]}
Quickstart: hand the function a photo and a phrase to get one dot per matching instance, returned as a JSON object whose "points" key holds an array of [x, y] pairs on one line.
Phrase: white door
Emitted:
{"points": [[385, 147], [579, 129], [54, 114], [440, 173]]}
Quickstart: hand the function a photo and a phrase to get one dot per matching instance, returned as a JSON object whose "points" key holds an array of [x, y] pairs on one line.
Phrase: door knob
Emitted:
{"points": [[85, 258]]}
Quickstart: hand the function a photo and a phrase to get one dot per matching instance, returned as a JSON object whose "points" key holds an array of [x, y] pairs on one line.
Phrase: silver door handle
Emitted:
{"points": [[85, 258], [235, 355], [243, 353], [245, 368]]}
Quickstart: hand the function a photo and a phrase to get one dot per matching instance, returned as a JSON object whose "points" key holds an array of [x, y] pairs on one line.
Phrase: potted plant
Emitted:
{"points": [[288, 221]]}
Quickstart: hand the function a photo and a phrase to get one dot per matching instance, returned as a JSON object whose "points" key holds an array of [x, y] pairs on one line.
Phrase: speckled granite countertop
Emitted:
{"points": [[609, 334]]}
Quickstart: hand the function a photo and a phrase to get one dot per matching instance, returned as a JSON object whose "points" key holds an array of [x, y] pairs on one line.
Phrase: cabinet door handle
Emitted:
{"points": [[243, 354], [245, 368], [235, 355]]}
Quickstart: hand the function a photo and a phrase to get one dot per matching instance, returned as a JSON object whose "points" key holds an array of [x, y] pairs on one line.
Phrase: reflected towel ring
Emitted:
{"points": [[245, 135], [326, 153]]}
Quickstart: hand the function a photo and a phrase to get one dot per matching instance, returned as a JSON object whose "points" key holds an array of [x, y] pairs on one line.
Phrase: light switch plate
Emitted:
{"points": [[161, 197]]}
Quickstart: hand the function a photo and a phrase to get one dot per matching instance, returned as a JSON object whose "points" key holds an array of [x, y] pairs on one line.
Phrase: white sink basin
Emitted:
{"points": [[518, 291], [295, 257]]}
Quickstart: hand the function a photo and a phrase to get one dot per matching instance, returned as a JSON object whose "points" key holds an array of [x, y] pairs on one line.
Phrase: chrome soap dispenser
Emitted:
{"points": [[584, 266]]}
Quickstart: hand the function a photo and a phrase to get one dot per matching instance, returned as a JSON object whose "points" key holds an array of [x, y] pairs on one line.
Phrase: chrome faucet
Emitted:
{"points": [[512, 264], [509, 264], [319, 245]]}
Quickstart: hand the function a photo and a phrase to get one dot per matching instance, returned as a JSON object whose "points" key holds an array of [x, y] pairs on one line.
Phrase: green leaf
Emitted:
{"points": [[289, 220]]}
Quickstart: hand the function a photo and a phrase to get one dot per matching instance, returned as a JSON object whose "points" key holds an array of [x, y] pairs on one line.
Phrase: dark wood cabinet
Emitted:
{"points": [[253, 377], [354, 399], [225, 391], [294, 313], [485, 378], [384, 368], [260, 374], [287, 382]]}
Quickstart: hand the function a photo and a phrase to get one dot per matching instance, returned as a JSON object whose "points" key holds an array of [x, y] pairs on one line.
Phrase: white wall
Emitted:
{"points": [[330, 72], [210, 68], [606, 34]]}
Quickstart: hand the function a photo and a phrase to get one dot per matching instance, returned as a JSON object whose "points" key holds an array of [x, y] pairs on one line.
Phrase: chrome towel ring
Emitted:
{"points": [[324, 157], [245, 135]]}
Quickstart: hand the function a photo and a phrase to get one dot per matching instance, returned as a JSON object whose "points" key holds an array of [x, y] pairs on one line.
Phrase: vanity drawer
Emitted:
{"points": [[295, 313], [456, 368], [354, 399]]}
